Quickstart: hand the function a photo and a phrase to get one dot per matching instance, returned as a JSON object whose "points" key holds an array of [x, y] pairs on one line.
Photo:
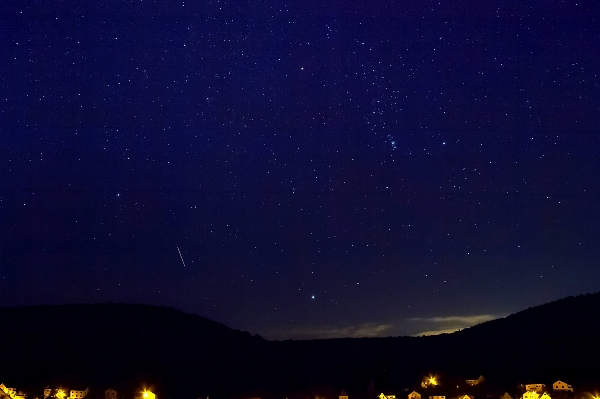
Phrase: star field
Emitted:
{"points": [[301, 169]]}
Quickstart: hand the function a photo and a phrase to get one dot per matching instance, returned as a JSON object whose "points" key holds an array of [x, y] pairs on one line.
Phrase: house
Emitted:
{"points": [[110, 394], [530, 395], [437, 397], [466, 397], [6, 392], [414, 395], [545, 396], [562, 386], [148, 395], [74, 394], [343, 395], [11, 393], [539, 388], [506, 396], [471, 383]]}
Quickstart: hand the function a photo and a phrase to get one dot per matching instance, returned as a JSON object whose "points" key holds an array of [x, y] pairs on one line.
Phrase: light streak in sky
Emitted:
{"points": [[181, 256]]}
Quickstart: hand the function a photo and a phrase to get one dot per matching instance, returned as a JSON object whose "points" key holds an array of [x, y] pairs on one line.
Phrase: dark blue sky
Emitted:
{"points": [[325, 168]]}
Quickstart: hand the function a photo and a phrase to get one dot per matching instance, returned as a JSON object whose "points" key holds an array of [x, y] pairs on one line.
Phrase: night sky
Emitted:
{"points": [[301, 169]]}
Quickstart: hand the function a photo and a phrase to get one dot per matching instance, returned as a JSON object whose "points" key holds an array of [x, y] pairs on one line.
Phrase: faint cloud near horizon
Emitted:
{"points": [[367, 330], [437, 332], [425, 326], [450, 324]]}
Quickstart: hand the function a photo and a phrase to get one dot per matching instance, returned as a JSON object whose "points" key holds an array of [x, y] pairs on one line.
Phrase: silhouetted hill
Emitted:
{"points": [[187, 356], [558, 340], [116, 344]]}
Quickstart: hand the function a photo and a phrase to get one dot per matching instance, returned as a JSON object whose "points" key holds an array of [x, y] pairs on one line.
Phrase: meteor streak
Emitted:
{"points": [[181, 256]]}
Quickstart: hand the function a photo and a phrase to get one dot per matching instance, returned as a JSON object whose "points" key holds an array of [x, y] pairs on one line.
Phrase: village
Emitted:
{"points": [[470, 389], [63, 393], [429, 388]]}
